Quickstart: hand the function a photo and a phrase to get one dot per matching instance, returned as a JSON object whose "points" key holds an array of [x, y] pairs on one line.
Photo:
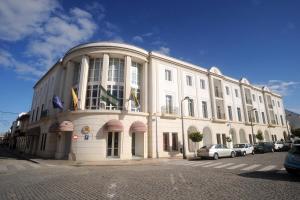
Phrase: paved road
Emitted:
{"points": [[251, 177]]}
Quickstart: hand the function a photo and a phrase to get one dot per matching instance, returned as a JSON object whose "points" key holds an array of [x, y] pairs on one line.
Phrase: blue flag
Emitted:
{"points": [[57, 103]]}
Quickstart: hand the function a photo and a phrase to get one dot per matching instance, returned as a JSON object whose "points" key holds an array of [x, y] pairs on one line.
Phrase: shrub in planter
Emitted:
{"points": [[259, 136], [196, 137]]}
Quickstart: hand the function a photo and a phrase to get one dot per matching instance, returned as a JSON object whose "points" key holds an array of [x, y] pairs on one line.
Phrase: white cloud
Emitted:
{"points": [[282, 87], [21, 19], [138, 39], [163, 50]]}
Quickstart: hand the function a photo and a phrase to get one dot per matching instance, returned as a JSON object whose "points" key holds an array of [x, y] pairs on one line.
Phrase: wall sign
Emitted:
{"points": [[86, 137]]}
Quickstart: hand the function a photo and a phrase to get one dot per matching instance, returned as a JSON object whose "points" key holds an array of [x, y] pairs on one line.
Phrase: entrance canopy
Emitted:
{"points": [[61, 127], [138, 127], [114, 126]]}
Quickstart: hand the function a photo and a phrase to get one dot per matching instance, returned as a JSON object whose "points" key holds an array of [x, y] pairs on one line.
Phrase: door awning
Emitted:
{"points": [[61, 127], [138, 127], [114, 125]]}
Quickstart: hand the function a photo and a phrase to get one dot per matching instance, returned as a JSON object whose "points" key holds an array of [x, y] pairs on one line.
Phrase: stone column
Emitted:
{"points": [[68, 85], [127, 85], [84, 70], [104, 75], [144, 93]]}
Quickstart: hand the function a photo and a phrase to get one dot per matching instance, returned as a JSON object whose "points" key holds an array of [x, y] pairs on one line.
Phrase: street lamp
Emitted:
{"points": [[250, 111], [183, 143]]}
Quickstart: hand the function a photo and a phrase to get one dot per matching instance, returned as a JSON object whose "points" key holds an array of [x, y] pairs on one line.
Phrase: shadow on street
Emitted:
{"points": [[272, 175]]}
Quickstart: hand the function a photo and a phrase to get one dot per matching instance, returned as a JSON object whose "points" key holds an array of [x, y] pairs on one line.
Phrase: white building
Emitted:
{"points": [[218, 106]]}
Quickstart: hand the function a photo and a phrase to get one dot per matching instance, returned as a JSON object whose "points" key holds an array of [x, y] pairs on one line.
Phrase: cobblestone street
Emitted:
{"points": [[260, 176]]}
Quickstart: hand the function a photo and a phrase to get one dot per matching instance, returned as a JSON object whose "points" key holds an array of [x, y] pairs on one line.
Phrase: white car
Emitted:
{"points": [[278, 145], [215, 151], [243, 149]]}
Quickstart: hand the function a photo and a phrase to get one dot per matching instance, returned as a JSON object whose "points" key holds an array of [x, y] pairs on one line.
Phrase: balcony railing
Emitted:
{"points": [[169, 110]]}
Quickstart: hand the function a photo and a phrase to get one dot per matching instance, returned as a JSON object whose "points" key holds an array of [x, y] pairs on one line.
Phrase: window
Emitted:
{"points": [[218, 138], [219, 114], [93, 97], [116, 70], [191, 107], [43, 142], [273, 103], [202, 84], [168, 75], [37, 114], [276, 119], [174, 142], [256, 116], [253, 97], [260, 99], [169, 104], [230, 113], [76, 74], [263, 117], [204, 109], [281, 118], [32, 117], [227, 90], [236, 93], [278, 103], [239, 114], [166, 141], [135, 73], [189, 81], [117, 92], [95, 70]]}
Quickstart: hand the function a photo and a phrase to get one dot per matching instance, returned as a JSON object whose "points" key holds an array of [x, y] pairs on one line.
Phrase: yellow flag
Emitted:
{"points": [[135, 99], [75, 99]]}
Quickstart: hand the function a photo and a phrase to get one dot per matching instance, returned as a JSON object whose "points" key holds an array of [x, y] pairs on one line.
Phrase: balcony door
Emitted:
{"points": [[113, 144]]}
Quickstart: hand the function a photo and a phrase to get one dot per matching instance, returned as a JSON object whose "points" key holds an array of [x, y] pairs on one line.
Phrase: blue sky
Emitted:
{"points": [[255, 39]]}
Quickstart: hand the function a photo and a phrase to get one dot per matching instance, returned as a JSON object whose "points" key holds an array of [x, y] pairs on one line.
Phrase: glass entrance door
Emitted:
{"points": [[113, 144]]}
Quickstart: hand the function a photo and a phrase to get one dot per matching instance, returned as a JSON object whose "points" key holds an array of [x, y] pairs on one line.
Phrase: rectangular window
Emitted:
{"points": [[116, 70], [117, 92], [169, 104], [218, 138], [227, 90], [250, 139], [253, 97], [76, 74], [204, 109], [135, 73], [230, 113], [273, 103], [191, 107], [257, 117], [166, 141], [276, 119], [236, 93], [32, 117], [174, 141], [263, 117], [224, 139], [95, 70], [278, 103], [239, 114], [37, 114], [260, 99], [189, 81], [168, 75], [202, 84], [281, 118], [93, 97]]}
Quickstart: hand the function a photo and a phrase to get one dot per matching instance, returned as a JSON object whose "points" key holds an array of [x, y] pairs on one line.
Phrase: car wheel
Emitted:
{"points": [[244, 153], [232, 154], [216, 156]]}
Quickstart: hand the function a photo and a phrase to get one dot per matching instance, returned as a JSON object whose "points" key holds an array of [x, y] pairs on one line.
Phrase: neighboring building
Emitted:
{"points": [[18, 129], [293, 119], [218, 106]]}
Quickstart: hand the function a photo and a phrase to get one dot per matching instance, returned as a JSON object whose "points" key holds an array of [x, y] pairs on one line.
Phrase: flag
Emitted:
{"points": [[75, 99], [134, 97], [105, 96], [57, 103]]}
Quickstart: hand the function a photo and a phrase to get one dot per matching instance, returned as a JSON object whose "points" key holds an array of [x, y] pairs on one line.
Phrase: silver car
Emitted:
{"points": [[215, 151]]}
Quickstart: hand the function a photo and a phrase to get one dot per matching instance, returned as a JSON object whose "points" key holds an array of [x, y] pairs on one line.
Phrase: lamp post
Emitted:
{"points": [[183, 141], [250, 111]]}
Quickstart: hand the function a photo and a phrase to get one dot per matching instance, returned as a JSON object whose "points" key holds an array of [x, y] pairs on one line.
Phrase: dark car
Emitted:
{"points": [[292, 160], [287, 145], [264, 147]]}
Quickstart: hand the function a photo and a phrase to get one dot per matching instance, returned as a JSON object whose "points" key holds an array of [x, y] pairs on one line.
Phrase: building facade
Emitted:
{"points": [[146, 121]]}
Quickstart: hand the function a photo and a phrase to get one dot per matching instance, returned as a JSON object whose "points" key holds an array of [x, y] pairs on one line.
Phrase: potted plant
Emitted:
{"points": [[195, 137], [259, 136]]}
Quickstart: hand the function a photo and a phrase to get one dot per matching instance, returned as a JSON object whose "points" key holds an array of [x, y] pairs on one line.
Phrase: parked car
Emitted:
{"points": [[287, 145], [292, 160], [243, 149], [215, 151], [264, 147], [278, 145]]}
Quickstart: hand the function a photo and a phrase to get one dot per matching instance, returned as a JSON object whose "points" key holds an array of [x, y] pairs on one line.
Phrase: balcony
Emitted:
{"points": [[169, 111]]}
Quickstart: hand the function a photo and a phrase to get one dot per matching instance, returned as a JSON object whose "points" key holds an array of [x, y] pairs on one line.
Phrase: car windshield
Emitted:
{"points": [[295, 150], [239, 146]]}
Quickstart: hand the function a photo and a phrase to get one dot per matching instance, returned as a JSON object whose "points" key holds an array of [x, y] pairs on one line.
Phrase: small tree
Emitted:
{"points": [[195, 137], [259, 136]]}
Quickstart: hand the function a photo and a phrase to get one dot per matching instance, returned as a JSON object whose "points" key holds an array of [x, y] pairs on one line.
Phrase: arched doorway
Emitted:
{"points": [[232, 133], [267, 136], [191, 145], [113, 128], [207, 136], [242, 134], [137, 132]]}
